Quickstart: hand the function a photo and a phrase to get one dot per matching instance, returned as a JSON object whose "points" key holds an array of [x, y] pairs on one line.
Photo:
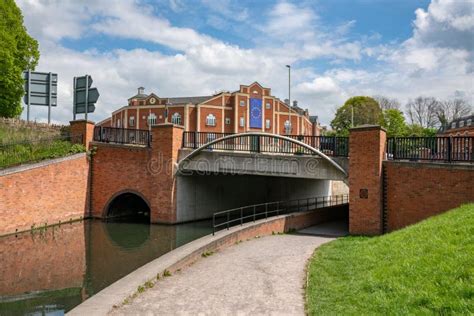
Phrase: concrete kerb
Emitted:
{"points": [[115, 294]]}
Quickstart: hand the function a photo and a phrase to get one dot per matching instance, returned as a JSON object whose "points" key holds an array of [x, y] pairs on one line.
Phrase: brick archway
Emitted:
{"points": [[126, 194]]}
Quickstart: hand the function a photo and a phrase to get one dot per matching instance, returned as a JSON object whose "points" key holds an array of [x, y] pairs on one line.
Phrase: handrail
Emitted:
{"points": [[264, 142], [269, 209], [438, 148], [117, 135]]}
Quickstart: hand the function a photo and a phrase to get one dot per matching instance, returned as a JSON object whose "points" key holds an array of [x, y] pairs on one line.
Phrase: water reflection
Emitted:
{"points": [[50, 272]]}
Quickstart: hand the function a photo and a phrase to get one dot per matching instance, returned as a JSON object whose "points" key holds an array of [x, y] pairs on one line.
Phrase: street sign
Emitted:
{"points": [[85, 97], [41, 88]]}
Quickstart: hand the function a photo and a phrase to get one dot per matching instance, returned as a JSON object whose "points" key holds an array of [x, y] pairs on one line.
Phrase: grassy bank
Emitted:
{"points": [[427, 268]]}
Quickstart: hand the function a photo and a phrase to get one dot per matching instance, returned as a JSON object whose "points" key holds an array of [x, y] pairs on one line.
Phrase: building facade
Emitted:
{"points": [[251, 108], [463, 126]]}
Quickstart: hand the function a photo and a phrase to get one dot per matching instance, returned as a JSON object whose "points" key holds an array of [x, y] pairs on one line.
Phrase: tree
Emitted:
{"points": [[18, 52], [356, 111], [449, 110], [387, 103], [422, 111], [394, 121]]}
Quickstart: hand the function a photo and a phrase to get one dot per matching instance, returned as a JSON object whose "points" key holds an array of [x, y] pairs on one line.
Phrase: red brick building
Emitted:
{"points": [[251, 108], [463, 126]]}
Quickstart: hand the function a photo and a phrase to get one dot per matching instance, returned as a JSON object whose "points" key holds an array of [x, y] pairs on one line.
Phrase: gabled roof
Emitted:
{"points": [[186, 100], [139, 96]]}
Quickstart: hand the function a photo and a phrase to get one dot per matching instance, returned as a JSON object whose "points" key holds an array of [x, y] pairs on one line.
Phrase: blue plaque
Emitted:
{"points": [[255, 113]]}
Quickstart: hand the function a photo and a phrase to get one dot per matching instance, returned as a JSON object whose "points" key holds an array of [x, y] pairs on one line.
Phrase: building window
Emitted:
{"points": [[461, 123], [268, 106], [119, 123], [287, 127], [242, 121], [453, 125], [131, 121], [267, 124], [242, 103], [152, 119], [227, 120], [469, 122], [176, 118], [211, 120]]}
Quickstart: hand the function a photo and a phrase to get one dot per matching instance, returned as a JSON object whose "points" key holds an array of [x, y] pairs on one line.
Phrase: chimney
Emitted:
{"points": [[141, 90]]}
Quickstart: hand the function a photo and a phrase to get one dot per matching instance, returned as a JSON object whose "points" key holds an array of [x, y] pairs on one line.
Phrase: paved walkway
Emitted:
{"points": [[262, 276]]}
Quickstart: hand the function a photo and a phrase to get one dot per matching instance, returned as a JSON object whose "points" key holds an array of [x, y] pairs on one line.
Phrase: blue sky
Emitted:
{"points": [[337, 48]]}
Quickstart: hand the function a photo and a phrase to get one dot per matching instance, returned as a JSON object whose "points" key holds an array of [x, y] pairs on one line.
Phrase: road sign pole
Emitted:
{"points": [[74, 99], [29, 94], [49, 97], [87, 96]]}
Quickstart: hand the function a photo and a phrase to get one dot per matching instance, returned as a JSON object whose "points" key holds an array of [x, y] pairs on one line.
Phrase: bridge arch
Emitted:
{"points": [[181, 164], [127, 205]]}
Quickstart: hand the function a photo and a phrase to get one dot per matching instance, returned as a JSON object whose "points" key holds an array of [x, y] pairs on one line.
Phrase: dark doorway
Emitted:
{"points": [[128, 207]]}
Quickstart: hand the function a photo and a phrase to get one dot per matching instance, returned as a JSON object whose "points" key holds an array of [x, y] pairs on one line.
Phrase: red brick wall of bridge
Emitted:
{"points": [[46, 192], [147, 171], [417, 190]]}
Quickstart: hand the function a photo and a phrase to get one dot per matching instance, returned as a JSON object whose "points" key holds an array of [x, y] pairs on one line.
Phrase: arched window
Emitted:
{"points": [[152, 119], [176, 118], [211, 120], [287, 127]]}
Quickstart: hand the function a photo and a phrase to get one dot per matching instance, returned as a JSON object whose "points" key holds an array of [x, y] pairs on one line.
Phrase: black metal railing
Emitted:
{"points": [[27, 151], [449, 149], [244, 214], [127, 136], [331, 146]]}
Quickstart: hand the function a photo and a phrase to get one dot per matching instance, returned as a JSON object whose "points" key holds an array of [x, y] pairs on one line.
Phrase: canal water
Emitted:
{"points": [[48, 272]]}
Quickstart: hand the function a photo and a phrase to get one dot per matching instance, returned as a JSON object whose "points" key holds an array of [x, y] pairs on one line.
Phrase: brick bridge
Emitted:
{"points": [[173, 176]]}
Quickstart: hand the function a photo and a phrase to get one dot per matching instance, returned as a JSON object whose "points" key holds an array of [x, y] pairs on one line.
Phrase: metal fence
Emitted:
{"points": [[449, 149], [331, 146], [244, 214], [127, 136], [12, 154]]}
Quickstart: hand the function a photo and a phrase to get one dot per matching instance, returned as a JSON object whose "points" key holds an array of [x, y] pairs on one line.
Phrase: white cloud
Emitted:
{"points": [[436, 60]]}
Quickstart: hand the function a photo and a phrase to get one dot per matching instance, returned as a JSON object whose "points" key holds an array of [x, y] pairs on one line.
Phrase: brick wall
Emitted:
{"points": [[147, 172], [367, 150], [416, 190], [45, 192]]}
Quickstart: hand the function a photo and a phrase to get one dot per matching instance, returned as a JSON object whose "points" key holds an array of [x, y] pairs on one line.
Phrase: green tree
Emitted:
{"points": [[418, 130], [18, 52], [364, 110], [394, 121]]}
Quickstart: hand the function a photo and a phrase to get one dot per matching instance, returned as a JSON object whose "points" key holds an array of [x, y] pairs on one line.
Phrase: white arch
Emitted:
{"points": [[314, 150]]}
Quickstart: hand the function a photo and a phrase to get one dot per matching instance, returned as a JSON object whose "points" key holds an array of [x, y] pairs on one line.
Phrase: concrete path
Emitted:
{"points": [[262, 276]]}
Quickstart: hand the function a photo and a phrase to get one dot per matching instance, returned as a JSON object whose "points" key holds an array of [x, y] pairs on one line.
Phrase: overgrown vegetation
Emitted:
{"points": [[424, 269], [21, 143]]}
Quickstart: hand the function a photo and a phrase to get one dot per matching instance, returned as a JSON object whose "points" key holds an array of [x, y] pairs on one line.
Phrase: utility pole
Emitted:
{"points": [[289, 84]]}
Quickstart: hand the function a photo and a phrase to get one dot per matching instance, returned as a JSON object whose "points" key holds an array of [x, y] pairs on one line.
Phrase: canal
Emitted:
{"points": [[50, 271]]}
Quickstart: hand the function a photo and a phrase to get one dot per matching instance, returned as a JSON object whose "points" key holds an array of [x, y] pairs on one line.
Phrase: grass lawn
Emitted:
{"points": [[424, 269]]}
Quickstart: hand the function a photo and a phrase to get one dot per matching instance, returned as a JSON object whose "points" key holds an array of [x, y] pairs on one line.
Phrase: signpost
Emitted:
{"points": [[41, 88], [84, 96]]}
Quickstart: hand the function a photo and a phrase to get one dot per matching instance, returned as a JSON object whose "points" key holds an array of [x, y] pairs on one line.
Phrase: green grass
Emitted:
{"points": [[424, 269], [12, 155], [15, 134]]}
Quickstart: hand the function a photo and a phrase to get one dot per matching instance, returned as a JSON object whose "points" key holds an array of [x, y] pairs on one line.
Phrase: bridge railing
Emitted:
{"points": [[245, 214], [129, 136], [331, 146], [448, 149]]}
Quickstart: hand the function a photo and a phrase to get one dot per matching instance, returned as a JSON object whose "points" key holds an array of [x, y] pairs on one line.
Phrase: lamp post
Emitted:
{"points": [[289, 84]]}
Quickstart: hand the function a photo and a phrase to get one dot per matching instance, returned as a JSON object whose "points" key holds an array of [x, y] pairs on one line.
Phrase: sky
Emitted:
{"points": [[336, 48]]}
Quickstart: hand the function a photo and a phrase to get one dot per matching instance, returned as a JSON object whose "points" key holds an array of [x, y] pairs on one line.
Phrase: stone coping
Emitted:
{"points": [[104, 301], [459, 165], [40, 164]]}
